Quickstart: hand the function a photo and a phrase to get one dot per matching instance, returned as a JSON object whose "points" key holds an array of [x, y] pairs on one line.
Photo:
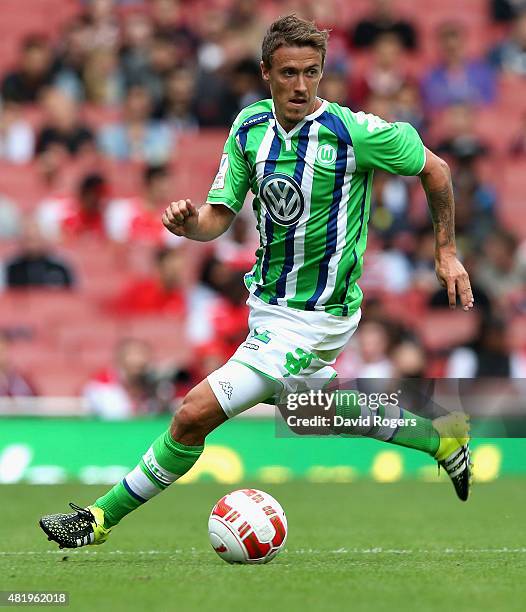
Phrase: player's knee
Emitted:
{"points": [[192, 422], [188, 417]]}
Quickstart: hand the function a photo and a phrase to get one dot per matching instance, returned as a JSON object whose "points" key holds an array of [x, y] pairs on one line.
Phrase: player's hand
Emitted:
{"points": [[181, 218], [453, 276]]}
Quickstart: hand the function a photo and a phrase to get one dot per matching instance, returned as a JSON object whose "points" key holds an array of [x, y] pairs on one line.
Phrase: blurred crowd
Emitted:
{"points": [[147, 72]]}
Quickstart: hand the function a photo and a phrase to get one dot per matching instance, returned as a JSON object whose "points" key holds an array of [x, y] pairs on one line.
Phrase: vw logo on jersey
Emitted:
{"points": [[282, 197], [326, 154]]}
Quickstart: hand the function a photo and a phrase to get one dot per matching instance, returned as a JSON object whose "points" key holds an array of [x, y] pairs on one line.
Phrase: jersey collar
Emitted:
{"points": [[288, 135]]}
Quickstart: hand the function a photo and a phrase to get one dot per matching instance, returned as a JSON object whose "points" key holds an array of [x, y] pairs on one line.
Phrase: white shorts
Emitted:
{"points": [[289, 350]]}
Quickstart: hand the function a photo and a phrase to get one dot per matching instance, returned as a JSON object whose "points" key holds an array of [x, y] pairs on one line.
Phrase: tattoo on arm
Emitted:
{"points": [[442, 207]]}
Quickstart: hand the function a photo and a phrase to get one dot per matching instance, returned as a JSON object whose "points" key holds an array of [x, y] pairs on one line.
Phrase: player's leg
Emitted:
{"points": [[227, 392], [446, 438]]}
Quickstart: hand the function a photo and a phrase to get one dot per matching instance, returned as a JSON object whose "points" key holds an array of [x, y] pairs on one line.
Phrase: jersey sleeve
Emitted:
{"points": [[231, 183], [393, 147]]}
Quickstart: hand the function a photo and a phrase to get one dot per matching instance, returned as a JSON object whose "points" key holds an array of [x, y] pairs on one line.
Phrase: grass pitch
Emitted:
{"points": [[360, 546]]}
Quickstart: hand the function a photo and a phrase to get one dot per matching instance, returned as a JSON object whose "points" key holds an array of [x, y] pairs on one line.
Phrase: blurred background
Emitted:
{"points": [[110, 109]]}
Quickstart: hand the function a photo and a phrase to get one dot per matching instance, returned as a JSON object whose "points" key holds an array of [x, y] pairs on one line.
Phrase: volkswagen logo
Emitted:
{"points": [[282, 197]]}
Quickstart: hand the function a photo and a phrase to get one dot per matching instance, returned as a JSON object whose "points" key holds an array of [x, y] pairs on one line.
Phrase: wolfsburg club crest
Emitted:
{"points": [[282, 197]]}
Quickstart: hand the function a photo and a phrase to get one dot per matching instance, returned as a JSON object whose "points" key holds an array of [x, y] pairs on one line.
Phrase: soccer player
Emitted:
{"points": [[309, 163]]}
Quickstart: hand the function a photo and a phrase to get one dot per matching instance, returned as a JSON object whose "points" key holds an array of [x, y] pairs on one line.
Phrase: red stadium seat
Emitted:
{"points": [[165, 334], [197, 161], [444, 329], [512, 197], [516, 333], [22, 183]]}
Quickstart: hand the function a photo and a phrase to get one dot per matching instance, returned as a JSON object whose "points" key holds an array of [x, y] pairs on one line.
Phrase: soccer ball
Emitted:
{"points": [[247, 526]]}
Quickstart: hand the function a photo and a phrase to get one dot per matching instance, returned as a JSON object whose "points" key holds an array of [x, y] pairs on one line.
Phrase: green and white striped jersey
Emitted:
{"points": [[312, 190]]}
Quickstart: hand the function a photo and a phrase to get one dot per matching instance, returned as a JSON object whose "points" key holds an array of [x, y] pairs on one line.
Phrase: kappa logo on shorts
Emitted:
{"points": [[283, 198], [227, 388]]}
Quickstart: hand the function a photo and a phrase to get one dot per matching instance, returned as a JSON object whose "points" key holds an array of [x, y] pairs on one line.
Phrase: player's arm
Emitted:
{"points": [[182, 218], [436, 181], [397, 148], [225, 198]]}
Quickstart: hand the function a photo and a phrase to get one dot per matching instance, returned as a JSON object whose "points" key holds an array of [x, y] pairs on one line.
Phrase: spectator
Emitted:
{"points": [[237, 247], [456, 79], [245, 29], [518, 146], [103, 25], [409, 360], [136, 42], [12, 382], [138, 219], [389, 205], [380, 106], [70, 59], [164, 293], [229, 315], [488, 355], [137, 137], [385, 76], [82, 214], [334, 87], [384, 20], [167, 19], [34, 74], [34, 265], [461, 141], [177, 105], [407, 106], [510, 55], [103, 80], [501, 271], [423, 260], [245, 86], [63, 133], [211, 88], [127, 389], [210, 300], [213, 34], [162, 58], [506, 10], [388, 269], [10, 218], [17, 140], [475, 207], [368, 355]]}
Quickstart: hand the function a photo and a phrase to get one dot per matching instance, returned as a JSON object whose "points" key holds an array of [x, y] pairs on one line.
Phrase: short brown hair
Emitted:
{"points": [[293, 32]]}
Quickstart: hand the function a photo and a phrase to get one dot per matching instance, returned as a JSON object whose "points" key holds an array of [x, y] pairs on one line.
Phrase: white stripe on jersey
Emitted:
{"points": [[299, 236], [261, 160], [341, 231]]}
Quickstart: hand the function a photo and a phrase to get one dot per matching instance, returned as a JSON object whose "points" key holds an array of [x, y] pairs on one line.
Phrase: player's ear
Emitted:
{"points": [[264, 70]]}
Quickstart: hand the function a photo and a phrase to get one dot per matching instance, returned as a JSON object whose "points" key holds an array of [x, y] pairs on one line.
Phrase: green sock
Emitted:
{"points": [[417, 433], [163, 463]]}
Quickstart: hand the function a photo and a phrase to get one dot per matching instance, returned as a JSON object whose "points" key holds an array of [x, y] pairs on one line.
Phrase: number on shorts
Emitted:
{"points": [[297, 361]]}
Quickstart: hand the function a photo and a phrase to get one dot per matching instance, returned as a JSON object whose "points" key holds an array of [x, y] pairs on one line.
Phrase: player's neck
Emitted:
{"points": [[289, 125]]}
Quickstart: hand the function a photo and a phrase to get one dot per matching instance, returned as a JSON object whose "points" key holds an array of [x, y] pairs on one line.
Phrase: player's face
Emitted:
{"points": [[293, 78]]}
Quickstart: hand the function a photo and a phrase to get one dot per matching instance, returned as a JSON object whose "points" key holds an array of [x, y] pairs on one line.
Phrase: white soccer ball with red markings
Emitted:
{"points": [[247, 526]]}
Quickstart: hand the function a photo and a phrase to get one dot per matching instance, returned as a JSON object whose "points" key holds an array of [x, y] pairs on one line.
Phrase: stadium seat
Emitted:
{"points": [[444, 329], [22, 183], [195, 169], [516, 333], [512, 194], [165, 334]]}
